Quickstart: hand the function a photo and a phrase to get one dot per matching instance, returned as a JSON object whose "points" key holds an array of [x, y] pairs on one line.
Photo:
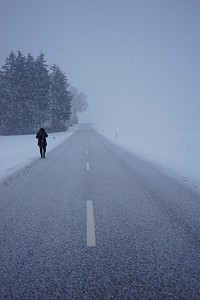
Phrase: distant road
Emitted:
{"points": [[92, 221]]}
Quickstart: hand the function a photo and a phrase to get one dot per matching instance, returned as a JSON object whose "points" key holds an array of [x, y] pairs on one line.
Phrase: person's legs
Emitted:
{"points": [[41, 151], [44, 149]]}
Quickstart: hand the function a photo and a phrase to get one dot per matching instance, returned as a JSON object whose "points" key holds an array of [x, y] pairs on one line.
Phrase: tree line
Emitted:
{"points": [[34, 95]]}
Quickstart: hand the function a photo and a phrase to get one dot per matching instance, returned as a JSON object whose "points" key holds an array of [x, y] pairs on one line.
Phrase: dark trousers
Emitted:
{"points": [[42, 151]]}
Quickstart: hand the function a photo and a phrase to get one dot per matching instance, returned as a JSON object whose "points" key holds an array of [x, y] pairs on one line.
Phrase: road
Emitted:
{"points": [[92, 221]]}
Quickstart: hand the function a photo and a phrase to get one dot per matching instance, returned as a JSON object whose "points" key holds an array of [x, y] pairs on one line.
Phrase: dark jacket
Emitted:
{"points": [[41, 136]]}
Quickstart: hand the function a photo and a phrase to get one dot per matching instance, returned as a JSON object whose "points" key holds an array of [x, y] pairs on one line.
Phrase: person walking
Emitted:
{"points": [[42, 142]]}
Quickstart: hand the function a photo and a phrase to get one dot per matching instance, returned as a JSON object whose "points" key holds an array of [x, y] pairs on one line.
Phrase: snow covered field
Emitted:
{"points": [[18, 151], [175, 153]]}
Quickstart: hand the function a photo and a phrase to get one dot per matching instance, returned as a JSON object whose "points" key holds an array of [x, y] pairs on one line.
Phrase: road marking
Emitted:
{"points": [[87, 166], [86, 151], [91, 240]]}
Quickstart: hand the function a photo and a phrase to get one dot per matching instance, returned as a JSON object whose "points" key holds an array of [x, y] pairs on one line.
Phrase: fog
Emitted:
{"points": [[137, 61]]}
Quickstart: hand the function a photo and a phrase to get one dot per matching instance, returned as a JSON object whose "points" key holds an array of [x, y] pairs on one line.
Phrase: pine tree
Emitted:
{"points": [[31, 97], [9, 96], [3, 103], [60, 99], [29, 116], [14, 94], [41, 92], [22, 93]]}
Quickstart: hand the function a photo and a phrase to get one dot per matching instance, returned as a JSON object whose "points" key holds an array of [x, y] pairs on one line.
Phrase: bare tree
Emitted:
{"points": [[79, 103]]}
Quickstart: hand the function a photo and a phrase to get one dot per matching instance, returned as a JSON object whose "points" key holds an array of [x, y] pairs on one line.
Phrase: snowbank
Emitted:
{"points": [[18, 151], [175, 153]]}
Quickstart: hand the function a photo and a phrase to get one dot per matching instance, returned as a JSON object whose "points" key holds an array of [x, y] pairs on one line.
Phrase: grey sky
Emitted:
{"points": [[137, 60]]}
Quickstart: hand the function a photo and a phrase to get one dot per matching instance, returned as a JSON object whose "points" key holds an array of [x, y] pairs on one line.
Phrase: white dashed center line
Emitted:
{"points": [[87, 166], [91, 240]]}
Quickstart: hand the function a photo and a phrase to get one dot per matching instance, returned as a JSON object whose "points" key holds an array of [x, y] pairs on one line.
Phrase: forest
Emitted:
{"points": [[34, 95]]}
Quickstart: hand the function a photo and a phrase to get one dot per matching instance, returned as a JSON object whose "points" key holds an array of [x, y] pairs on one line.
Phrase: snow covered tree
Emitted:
{"points": [[29, 116], [41, 91], [60, 99], [32, 95], [21, 106], [6, 95], [3, 103], [24, 94], [79, 103], [13, 80]]}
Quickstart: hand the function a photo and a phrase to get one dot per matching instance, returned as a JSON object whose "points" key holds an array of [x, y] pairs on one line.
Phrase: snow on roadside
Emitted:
{"points": [[175, 153], [20, 150]]}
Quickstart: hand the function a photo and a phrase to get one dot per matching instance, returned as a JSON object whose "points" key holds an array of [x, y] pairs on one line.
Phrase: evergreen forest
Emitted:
{"points": [[34, 95]]}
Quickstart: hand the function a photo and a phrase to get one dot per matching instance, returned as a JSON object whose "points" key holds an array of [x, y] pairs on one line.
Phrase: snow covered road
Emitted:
{"points": [[92, 221]]}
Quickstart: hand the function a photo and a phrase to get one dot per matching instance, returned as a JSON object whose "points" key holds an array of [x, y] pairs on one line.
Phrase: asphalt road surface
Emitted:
{"points": [[92, 221]]}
